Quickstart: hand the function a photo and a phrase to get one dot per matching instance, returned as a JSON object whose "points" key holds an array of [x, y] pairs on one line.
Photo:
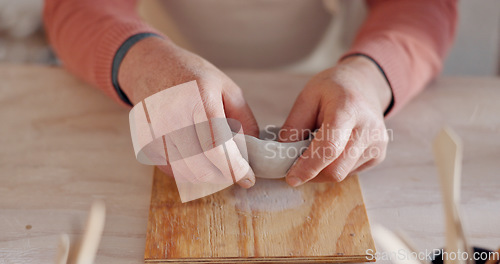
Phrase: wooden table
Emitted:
{"points": [[64, 144]]}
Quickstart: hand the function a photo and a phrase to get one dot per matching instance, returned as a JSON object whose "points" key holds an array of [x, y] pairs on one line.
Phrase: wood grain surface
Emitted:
{"points": [[270, 222]]}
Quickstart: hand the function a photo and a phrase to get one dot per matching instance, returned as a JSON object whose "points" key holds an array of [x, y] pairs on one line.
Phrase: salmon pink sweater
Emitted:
{"points": [[408, 39]]}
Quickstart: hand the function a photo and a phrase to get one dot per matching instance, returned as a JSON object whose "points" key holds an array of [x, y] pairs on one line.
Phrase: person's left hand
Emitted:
{"points": [[347, 104]]}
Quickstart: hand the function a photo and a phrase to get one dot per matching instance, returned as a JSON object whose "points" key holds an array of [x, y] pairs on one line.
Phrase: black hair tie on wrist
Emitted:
{"points": [[117, 61]]}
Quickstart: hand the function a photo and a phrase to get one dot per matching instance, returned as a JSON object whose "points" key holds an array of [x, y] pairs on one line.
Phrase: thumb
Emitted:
{"points": [[301, 120], [237, 108]]}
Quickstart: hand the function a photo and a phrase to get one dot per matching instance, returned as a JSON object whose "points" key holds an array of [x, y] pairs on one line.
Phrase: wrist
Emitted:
{"points": [[374, 78], [138, 72]]}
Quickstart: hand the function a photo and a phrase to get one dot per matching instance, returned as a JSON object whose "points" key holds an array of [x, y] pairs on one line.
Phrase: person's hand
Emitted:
{"points": [[155, 64], [347, 104]]}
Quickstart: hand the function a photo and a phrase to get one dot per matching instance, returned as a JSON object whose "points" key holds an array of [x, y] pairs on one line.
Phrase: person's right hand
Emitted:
{"points": [[155, 64]]}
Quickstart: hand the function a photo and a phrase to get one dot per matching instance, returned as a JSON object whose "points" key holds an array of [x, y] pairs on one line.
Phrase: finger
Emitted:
{"points": [[186, 158], [329, 142], [376, 153], [346, 162], [237, 108], [196, 180], [167, 169], [227, 156], [365, 166], [302, 118], [372, 156], [218, 143]]}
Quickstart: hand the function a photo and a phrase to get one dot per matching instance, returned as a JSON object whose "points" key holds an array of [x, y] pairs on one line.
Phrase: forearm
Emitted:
{"points": [[87, 34], [408, 39], [154, 64]]}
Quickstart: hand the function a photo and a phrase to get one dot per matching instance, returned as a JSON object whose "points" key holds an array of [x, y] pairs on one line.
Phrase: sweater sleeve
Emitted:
{"points": [[87, 34], [408, 40]]}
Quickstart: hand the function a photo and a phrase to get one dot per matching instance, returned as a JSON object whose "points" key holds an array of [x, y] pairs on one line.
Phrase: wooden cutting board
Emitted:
{"points": [[269, 223]]}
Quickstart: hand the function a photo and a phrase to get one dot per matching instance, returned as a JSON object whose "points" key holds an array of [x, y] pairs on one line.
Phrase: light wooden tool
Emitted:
{"points": [[318, 223], [92, 236], [63, 250], [86, 252], [409, 244], [448, 154], [391, 242]]}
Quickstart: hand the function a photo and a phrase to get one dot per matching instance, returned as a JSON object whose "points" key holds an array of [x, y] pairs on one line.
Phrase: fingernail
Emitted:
{"points": [[246, 183], [294, 181]]}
